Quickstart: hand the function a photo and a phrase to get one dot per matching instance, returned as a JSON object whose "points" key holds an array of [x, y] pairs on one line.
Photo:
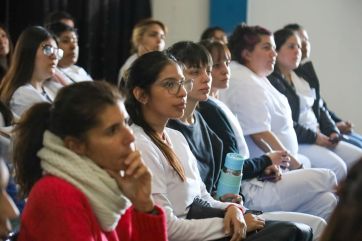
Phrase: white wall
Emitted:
{"points": [[185, 19], [335, 31], [334, 27]]}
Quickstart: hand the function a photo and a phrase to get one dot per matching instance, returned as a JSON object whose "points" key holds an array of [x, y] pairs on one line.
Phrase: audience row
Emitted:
{"points": [[145, 164]]}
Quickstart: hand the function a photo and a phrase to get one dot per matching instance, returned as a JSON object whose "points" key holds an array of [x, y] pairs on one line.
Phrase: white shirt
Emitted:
{"points": [[239, 135], [307, 96], [75, 74], [174, 195], [126, 66], [24, 97], [259, 107]]}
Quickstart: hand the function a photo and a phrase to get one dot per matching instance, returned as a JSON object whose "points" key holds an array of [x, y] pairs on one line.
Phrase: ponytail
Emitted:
{"points": [[28, 140]]}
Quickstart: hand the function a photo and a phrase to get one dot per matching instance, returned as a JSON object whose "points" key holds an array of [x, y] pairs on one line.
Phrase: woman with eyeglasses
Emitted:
{"points": [[156, 93], [35, 58]]}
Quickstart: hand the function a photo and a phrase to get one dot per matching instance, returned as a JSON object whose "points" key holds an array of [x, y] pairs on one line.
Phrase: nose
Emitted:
{"points": [[128, 136], [182, 93], [225, 69]]}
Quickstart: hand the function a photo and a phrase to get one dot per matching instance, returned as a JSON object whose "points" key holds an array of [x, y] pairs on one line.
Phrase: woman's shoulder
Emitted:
{"points": [[27, 92], [53, 189]]}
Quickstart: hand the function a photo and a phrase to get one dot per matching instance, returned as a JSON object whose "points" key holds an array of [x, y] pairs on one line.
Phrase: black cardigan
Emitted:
{"points": [[218, 122], [326, 124]]}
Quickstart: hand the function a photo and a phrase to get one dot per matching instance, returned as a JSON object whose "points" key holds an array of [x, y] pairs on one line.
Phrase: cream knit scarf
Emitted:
{"points": [[106, 199]]}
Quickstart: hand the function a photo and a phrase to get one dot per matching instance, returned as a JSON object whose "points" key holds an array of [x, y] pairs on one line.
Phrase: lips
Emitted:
{"points": [[182, 105]]}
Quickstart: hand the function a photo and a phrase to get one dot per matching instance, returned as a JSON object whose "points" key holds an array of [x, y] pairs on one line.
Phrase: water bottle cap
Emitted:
{"points": [[234, 161]]}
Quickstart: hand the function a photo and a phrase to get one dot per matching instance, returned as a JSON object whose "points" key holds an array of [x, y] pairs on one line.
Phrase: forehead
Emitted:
{"points": [[154, 28], [68, 34], [2, 31], [111, 113], [219, 54], [171, 70]]}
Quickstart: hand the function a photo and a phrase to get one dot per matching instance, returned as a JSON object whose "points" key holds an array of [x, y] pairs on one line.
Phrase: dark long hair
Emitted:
{"points": [[345, 222], [75, 110], [243, 38], [143, 73], [280, 37], [23, 61]]}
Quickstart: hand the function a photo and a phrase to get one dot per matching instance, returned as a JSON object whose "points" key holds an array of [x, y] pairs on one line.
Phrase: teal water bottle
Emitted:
{"points": [[231, 175]]}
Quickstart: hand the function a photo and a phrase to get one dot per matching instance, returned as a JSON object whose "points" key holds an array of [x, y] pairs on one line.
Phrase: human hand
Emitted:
{"points": [[344, 127], [334, 139], [136, 182], [231, 197], [234, 223], [253, 222], [279, 158], [323, 140], [272, 173]]}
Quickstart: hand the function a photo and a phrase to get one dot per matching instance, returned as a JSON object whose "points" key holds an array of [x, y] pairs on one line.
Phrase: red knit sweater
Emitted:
{"points": [[56, 210]]}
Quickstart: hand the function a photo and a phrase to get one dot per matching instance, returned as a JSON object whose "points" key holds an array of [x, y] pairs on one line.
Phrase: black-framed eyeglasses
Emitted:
{"points": [[48, 50], [173, 86]]}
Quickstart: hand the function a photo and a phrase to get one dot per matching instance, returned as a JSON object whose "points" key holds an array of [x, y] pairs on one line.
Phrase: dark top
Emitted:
{"points": [[326, 124], [206, 147], [217, 120]]}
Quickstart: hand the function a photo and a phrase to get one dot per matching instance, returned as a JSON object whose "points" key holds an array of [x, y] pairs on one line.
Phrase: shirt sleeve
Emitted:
{"points": [[249, 102]]}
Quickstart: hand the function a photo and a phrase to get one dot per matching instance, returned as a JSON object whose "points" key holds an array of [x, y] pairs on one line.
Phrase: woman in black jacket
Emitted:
{"points": [[318, 136]]}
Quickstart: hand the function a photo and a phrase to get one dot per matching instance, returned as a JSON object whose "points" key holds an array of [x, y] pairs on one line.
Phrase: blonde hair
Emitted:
{"points": [[139, 30]]}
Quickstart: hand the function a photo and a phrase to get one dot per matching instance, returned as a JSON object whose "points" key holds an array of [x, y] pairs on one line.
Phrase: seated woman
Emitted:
{"points": [[67, 72], [8, 210], [306, 68], [317, 134], [35, 58], [263, 113], [345, 222], [156, 92], [147, 35], [6, 49], [80, 171]]}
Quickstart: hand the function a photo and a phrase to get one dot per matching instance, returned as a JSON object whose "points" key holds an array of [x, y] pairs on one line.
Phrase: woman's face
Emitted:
{"points": [[261, 60], [166, 98], [303, 35], [289, 54], [4, 43], [220, 70], [152, 40], [68, 41], [45, 62], [201, 77], [111, 141]]}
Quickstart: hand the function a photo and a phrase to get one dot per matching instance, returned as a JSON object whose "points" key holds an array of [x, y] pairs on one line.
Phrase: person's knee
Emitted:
{"points": [[299, 231]]}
